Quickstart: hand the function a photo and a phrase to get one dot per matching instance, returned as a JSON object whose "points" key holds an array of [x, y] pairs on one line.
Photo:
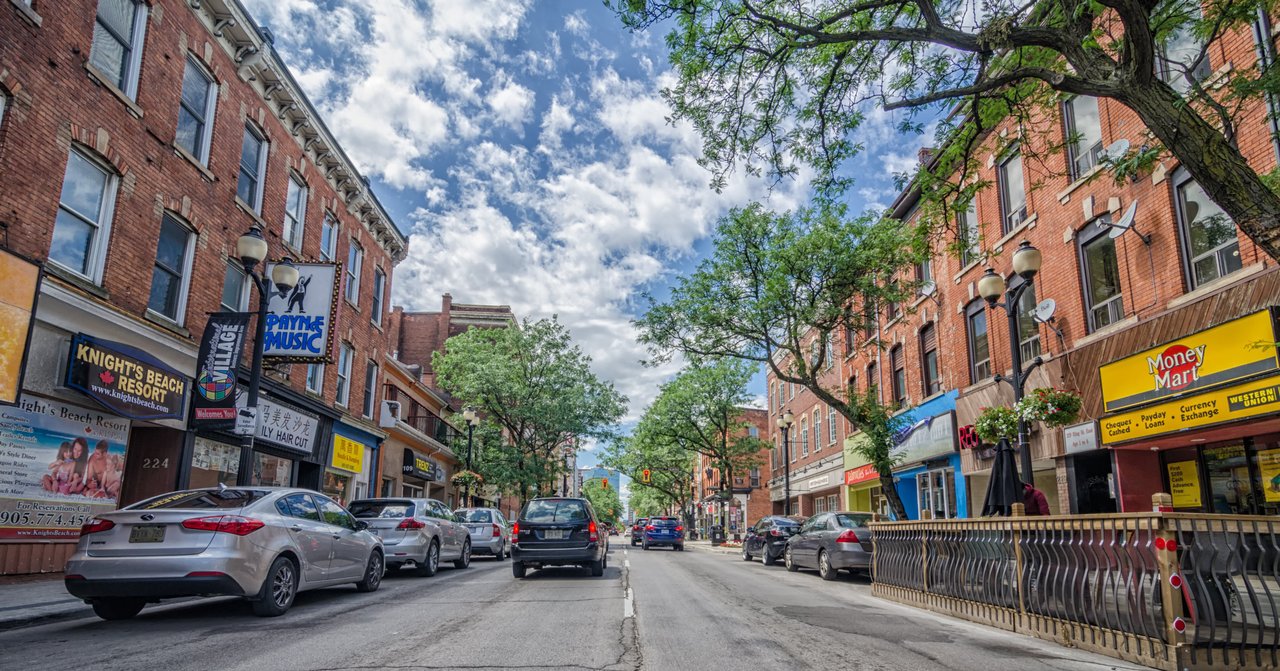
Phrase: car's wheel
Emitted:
{"points": [[431, 562], [597, 568], [679, 548], [372, 574], [517, 569], [824, 566], [633, 542], [501, 553], [791, 565], [465, 560], [117, 608], [768, 557], [278, 590], [746, 556]]}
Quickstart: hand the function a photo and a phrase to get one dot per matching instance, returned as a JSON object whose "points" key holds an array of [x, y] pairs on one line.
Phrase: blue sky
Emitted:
{"points": [[523, 148]]}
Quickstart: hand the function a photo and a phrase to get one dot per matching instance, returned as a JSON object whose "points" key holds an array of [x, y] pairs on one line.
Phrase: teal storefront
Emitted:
{"points": [[928, 478]]}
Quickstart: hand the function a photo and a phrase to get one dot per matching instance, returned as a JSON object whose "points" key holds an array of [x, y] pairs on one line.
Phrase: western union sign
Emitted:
{"points": [[1192, 412], [1227, 353]]}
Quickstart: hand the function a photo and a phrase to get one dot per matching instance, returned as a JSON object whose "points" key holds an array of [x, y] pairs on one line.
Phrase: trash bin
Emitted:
{"points": [[717, 536]]}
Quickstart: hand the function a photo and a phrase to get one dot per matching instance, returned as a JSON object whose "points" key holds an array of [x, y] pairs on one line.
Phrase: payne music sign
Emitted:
{"points": [[299, 326]]}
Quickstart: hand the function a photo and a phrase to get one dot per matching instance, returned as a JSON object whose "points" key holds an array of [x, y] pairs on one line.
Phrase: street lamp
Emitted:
{"points": [[251, 248], [784, 423], [473, 419], [567, 453], [1026, 263]]}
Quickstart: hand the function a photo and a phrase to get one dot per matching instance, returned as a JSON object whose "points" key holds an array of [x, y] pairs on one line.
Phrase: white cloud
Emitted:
{"points": [[576, 23], [510, 102]]}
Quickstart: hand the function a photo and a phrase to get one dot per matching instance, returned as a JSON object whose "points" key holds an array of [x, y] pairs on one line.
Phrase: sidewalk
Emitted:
{"points": [[706, 546], [34, 599]]}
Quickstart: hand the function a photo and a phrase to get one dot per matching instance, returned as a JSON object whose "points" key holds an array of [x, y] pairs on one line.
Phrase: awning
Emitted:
{"points": [[418, 466]]}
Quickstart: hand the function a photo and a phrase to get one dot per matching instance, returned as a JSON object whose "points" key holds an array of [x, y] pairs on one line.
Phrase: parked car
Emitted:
{"points": [[637, 531], [262, 543], [663, 531], [768, 538], [558, 532], [490, 531], [831, 542], [416, 532]]}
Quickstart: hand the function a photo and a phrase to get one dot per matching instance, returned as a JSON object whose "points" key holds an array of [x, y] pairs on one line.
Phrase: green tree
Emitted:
{"points": [[670, 467], [537, 387], [777, 291], [605, 500], [772, 85], [647, 501]]}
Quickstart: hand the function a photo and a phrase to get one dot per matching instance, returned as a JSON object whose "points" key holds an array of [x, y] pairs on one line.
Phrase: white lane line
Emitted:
{"points": [[626, 563], [629, 605]]}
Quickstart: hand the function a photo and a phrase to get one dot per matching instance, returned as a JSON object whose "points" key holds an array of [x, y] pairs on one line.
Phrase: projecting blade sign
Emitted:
{"points": [[300, 320]]}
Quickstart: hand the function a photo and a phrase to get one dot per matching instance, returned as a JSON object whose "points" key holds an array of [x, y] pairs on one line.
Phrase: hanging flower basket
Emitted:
{"points": [[1054, 407], [996, 423], [466, 479]]}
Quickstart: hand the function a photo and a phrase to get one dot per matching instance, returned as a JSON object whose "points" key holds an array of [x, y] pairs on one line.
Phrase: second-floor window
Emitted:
{"points": [[195, 112], [1103, 301], [253, 162], [328, 238], [315, 378], [118, 33], [1028, 327], [370, 387], [295, 212], [344, 374], [929, 360], [897, 362], [1013, 195], [355, 257], [235, 288], [979, 341], [969, 233], [1213, 249], [171, 274], [83, 224], [1084, 133]]}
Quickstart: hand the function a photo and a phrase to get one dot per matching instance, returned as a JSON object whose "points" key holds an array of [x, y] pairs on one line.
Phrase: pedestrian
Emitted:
{"points": [[1033, 500]]}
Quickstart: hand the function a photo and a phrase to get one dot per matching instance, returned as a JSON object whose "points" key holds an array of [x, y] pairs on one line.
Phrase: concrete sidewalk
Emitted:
{"points": [[706, 546], [36, 599]]}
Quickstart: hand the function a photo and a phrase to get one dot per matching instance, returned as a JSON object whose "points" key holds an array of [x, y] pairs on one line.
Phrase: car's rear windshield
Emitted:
{"points": [[476, 515], [202, 499], [850, 521], [663, 522], [786, 522], [554, 510], [381, 509]]}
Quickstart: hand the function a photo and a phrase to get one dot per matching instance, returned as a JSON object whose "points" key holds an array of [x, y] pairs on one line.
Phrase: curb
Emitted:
{"points": [[714, 549]]}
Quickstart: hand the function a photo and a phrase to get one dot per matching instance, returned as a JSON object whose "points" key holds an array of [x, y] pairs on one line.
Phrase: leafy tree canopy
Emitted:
{"points": [[606, 501]]}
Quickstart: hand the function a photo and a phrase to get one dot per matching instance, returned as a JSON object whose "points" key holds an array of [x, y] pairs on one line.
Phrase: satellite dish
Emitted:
{"points": [[1116, 149], [1043, 311], [928, 288], [1125, 222]]}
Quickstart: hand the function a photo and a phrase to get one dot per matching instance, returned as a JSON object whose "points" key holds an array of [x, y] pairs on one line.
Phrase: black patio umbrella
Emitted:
{"points": [[1005, 487]]}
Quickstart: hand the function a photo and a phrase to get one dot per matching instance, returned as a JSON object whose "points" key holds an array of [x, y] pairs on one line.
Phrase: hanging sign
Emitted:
{"points": [[125, 380], [19, 291], [299, 326], [213, 404], [1184, 484], [419, 466], [282, 425]]}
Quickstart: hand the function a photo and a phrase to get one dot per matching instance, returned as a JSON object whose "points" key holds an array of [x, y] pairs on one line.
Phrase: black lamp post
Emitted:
{"points": [[1026, 263], [473, 419], [252, 250], [784, 423]]}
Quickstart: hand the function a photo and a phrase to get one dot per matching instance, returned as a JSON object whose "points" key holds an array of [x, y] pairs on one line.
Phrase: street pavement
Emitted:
{"points": [[657, 610]]}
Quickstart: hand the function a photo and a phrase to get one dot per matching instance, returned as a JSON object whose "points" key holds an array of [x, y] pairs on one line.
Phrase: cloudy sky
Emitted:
{"points": [[523, 148]]}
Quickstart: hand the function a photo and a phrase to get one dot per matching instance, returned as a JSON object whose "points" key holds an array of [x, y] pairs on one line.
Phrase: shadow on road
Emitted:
{"points": [[571, 573]]}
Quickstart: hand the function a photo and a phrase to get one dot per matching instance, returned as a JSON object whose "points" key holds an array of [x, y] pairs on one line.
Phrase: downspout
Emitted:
{"points": [[1262, 36]]}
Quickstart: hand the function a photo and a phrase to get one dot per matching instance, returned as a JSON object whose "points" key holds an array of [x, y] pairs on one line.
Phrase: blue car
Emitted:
{"points": [[663, 531]]}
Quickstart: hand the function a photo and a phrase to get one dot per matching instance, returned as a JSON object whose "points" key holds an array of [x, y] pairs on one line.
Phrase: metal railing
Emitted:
{"points": [[1170, 590]]}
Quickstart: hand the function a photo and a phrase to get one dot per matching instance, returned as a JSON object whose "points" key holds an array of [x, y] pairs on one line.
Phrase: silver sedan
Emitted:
{"points": [[831, 542], [263, 543], [416, 532], [490, 531]]}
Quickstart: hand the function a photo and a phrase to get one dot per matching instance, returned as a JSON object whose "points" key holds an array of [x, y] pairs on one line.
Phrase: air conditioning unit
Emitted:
{"points": [[390, 414]]}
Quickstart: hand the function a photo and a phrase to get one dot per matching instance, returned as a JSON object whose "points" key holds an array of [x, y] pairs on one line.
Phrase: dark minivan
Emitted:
{"points": [[768, 538], [557, 532]]}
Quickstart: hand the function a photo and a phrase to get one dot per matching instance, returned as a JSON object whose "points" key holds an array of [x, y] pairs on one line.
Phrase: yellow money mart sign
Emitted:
{"points": [[1191, 412], [1227, 353], [348, 455]]}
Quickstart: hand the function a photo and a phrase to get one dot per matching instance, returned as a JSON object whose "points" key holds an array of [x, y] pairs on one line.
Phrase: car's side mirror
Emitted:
{"points": [[361, 525]]}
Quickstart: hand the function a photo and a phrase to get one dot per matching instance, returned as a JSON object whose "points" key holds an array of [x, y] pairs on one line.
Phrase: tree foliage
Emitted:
{"points": [[648, 502], [670, 470], [605, 500]]}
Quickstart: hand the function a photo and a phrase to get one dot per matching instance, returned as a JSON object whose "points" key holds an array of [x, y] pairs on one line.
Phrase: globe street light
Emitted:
{"points": [[1026, 264], [252, 249], [784, 423], [473, 419]]}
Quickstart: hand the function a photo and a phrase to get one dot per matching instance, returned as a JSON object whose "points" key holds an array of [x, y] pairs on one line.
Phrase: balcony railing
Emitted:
{"points": [[422, 418]]}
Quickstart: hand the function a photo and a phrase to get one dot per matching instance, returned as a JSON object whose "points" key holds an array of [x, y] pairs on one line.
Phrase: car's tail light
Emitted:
{"points": [[515, 533], [775, 532], [679, 528], [847, 536], [411, 523], [592, 535], [497, 531], [227, 524], [650, 528], [95, 525]]}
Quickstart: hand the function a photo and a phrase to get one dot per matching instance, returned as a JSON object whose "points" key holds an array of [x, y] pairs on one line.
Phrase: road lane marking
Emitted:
{"points": [[628, 605], [626, 563]]}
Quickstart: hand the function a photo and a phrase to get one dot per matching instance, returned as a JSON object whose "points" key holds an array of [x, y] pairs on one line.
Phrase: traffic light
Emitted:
{"points": [[644, 476], [604, 483]]}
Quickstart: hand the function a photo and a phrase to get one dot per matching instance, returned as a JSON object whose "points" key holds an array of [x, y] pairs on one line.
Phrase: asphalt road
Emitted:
{"points": [[652, 610]]}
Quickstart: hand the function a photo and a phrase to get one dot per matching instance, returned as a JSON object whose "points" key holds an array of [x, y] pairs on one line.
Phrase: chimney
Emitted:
{"points": [[926, 155]]}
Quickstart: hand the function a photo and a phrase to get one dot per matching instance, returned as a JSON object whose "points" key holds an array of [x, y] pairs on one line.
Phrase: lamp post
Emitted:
{"points": [[473, 419], [567, 453], [251, 248], [1026, 263], [784, 423]]}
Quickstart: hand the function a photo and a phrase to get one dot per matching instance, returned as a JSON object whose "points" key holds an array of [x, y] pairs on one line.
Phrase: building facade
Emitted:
{"points": [[747, 497], [812, 458]]}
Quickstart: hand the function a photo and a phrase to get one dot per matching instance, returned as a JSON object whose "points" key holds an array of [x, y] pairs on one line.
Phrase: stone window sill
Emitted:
{"points": [[1106, 331], [26, 12], [1027, 224], [245, 207], [165, 323], [1065, 195], [204, 170], [1216, 285], [105, 82], [77, 281], [963, 271]]}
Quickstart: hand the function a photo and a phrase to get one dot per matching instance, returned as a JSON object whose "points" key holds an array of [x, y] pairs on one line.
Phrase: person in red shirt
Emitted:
{"points": [[1033, 500]]}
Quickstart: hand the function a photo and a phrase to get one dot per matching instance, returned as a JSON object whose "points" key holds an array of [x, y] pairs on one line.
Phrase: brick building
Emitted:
{"points": [[136, 146], [421, 334], [813, 458], [748, 500]]}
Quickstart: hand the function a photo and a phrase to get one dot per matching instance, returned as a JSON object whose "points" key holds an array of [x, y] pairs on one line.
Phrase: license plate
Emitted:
{"points": [[475, 529], [147, 533], [553, 534]]}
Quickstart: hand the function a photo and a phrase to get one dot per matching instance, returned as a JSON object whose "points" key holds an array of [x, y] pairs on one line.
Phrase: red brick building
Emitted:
{"points": [[749, 498], [813, 458], [135, 148]]}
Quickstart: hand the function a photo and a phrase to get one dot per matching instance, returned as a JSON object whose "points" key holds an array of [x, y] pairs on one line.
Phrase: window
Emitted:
{"points": [[817, 430], [753, 432], [1084, 133], [1028, 327], [344, 374], [295, 212], [1013, 196], [969, 233], [924, 274], [804, 437], [83, 224], [873, 377], [979, 342], [829, 354], [1183, 58], [355, 257], [328, 238], [1101, 271], [897, 362], [117, 43], [1213, 249], [379, 287], [892, 311], [195, 112], [781, 393], [819, 507], [370, 387], [929, 360], [869, 318], [235, 288], [831, 426], [171, 274], [755, 477], [792, 385], [253, 162], [315, 377]]}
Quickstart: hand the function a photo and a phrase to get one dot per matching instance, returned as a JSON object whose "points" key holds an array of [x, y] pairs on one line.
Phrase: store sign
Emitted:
{"points": [[300, 321], [860, 474], [285, 426], [1184, 484], [1211, 358], [1080, 437], [419, 466], [818, 483], [59, 466], [213, 405], [125, 380], [19, 291], [927, 438], [1192, 412], [348, 455]]}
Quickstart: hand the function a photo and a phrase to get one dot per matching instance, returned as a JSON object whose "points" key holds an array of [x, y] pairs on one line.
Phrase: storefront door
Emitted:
{"points": [[937, 493], [1092, 483]]}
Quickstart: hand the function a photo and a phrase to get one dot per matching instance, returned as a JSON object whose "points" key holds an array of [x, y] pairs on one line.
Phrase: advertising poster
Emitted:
{"points": [[300, 321], [1269, 466], [213, 405], [1184, 484], [348, 455], [59, 466], [125, 380], [19, 287]]}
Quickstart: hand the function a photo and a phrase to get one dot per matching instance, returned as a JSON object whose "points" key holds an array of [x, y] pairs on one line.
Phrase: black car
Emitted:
{"points": [[637, 531], [768, 538], [558, 532]]}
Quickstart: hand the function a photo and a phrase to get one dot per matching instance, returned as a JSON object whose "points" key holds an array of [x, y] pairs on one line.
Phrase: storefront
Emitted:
{"points": [[285, 447], [1091, 483], [862, 487], [417, 475], [927, 454], [350, 453], [815, 488]]}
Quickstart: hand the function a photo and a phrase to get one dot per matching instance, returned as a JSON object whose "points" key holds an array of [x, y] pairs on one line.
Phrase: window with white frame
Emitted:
{"points": [[979, 341], [804, 437], [817, 430], [4, 106], [969, 233], [235, 288], [1103, 299], [370, 387], [1028, 327], [1183, 58], [355, 258], [118, 33], [1013, 194], [253, 163], [83, 225], [379, 288], [830, 354], [195, 111], [315, 378], [295, 212], [1210, 240], [171, 275], [831, 426], [1084, 133], [344, 374], [328, 238]]}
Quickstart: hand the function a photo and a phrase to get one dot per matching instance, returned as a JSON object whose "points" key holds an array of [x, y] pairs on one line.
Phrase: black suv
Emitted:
{"points": [[768, 538], [637, 531], [558, 532]]}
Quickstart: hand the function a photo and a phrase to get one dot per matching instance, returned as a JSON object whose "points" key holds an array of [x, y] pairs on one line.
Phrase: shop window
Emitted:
{"points": [[271, 471], [1084, 134], [1211, 246], [410, 491], [83, 224], [1104, 302], [196, 111], [937, 493], [1013, 194], [328, 238], [898, 363], [929, 360], [979, 341], [819, 506], [171, 274], [235, 288], [968, 233], [253, 163], [118, 33], [831, 502], [295, 212], [1227, 474], [214, 463], [1028, 327]]}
